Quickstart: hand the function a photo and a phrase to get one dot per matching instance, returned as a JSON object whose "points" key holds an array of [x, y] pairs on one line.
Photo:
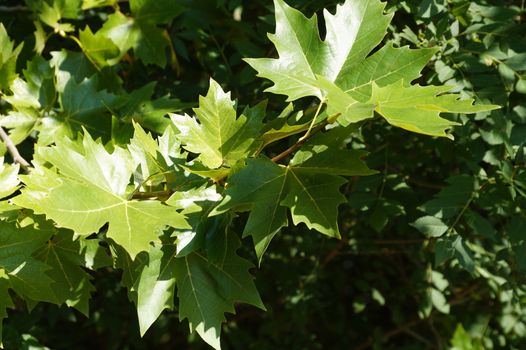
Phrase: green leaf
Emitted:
{"points": [[5, 299], [452, 198], [141, 107], [71, 283], [27, 275], [37, 91], [88, 4], [90, 190], [352, 32], [219, 138], [8, 58], [70, 65], [314, 200], [266, 189], [417, 108], [339, 73], [454, 246], [82, 106], [430, 226], [150, 280], [386, 66], [155, 11], [324, 154], [100, 50], [208, 285], [8, 178], [260, 187], [140, 31]]}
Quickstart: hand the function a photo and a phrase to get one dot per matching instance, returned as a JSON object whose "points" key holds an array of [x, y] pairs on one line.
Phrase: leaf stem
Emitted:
{"points": [[308, 134], [17, 158]]}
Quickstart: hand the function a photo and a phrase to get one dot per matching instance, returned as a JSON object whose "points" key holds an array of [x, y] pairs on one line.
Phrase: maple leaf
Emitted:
{"points": [[209, 284], [5, 299], [150, 281], [100, 50], [219, 138], [352, 32], [267, 189], [8, 178], [19, 270], [338, 71], [87, 188], [308, 186], [8, 57], [141, 31], [71, 283]]}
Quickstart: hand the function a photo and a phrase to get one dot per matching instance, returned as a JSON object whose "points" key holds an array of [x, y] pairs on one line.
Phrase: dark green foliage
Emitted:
{"points": [[431, 250]]}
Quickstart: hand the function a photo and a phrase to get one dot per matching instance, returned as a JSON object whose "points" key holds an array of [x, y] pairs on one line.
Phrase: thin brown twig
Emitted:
{"points": [[17, 158], [400, 329], [19, 8], [300, 143]]}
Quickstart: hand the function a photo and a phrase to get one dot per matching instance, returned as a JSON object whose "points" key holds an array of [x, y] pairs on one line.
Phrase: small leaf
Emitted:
{"points": [[8, 178], [99, 49], [430, 226], [219, 138], [8, 59]]}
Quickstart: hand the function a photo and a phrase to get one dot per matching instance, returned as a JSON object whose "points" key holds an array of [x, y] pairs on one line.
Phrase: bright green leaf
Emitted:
{"points": [[8, 178], [91, 190], [352, 32], [8, 58], [219, 138]]}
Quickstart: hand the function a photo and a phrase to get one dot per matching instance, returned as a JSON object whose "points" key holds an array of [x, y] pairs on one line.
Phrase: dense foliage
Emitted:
{"points": [[148, 170]]}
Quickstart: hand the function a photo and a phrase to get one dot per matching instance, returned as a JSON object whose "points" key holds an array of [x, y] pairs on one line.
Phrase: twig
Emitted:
{"points": [[17, 158], [154, 194], [14, 8], [390, 334], [300, 143]]}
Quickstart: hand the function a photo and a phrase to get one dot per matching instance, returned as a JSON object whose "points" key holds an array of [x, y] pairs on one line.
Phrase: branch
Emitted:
{"points": [[390, 334], [300, 142], [17, 158], [14, 8]]}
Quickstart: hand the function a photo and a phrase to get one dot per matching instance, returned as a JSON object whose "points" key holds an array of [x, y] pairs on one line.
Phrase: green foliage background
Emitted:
{"points": [[433, 247]]}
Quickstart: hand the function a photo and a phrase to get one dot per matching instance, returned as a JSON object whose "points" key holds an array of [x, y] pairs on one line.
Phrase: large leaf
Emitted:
{"points": [[219, 138], [354, 86], [267, 189], [352, 32], [88, 188], [208, 285]]}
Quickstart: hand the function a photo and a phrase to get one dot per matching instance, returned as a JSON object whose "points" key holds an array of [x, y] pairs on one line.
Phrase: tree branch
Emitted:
{"points": [[17, 158], [18, 8], [300, 142]]}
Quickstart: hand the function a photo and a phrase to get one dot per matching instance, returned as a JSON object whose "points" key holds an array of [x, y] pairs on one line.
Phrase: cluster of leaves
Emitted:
{"points": [[115, 185]]}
